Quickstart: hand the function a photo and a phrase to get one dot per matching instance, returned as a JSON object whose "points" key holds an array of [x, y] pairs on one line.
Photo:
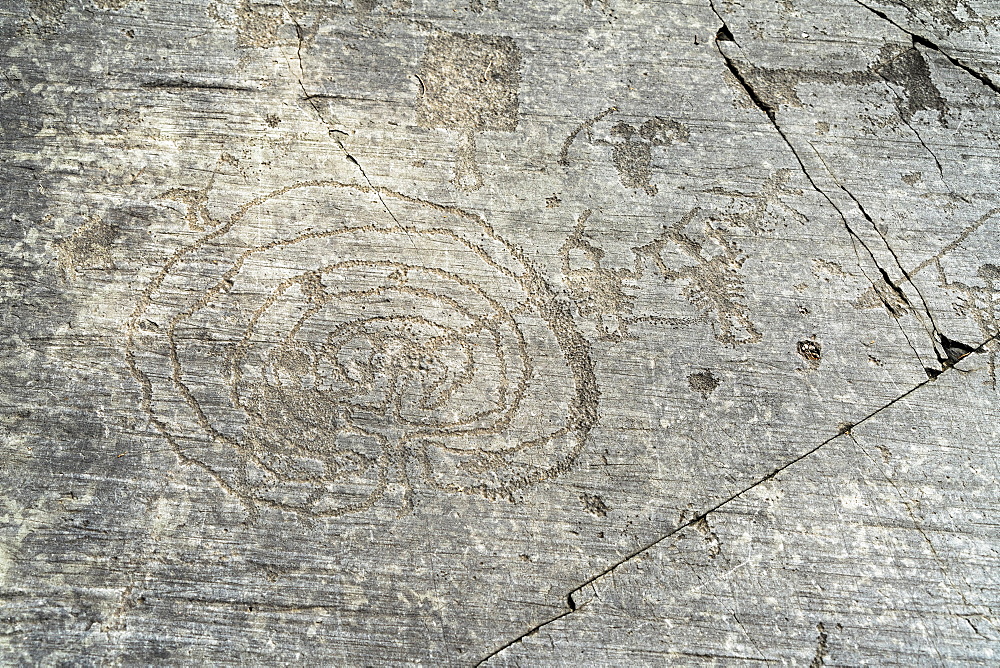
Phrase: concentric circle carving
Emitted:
{"points": [[315, 349]]}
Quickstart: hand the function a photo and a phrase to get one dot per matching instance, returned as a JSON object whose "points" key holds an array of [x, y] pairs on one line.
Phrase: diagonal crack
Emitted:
{"points": [[333, 132], [891, 85], [925, 42], [934, 330], [845, 430], [935, 333], [725, 34], [927, 148]]}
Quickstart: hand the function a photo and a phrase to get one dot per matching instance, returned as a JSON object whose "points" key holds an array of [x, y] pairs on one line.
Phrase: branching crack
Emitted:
{"points": [[934, 330], [571, 604], [947, 350], [952, 355], [926, 43], [726, 35]]}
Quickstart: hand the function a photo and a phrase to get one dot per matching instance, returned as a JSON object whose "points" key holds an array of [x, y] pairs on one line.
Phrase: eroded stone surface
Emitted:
{"points": [[846, 555], [370, 332]]}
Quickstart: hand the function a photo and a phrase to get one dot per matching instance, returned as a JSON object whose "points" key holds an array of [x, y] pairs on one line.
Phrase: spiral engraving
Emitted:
{"points": [[315, 349]]}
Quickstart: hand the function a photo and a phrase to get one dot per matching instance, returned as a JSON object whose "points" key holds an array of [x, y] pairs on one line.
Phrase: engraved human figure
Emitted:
{"points": [[713, 284], [702, 259], [598, 291]]}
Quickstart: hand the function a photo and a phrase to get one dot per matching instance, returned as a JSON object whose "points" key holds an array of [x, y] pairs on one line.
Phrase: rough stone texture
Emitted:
{"points": [[401, 332]]}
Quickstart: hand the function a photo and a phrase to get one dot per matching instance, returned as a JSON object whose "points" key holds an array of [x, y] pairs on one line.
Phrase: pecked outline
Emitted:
{"points": [[583, 410]]}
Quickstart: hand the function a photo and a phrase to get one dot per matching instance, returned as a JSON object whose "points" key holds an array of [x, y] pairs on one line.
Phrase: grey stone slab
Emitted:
{"points": [[878, 548], [374, 332]]}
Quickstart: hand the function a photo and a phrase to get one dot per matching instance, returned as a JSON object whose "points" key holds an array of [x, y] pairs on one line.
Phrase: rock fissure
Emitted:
{"points": [[927, 43], [573, 606], [726, 35]]}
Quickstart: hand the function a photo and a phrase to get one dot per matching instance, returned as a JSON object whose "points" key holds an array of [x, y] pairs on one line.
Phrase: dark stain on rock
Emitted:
{"points": [[908, 69], [902, 67], [778, 86], [989, 271], [702, 526], [881, 294], [594, 505], [479, 6], [633, 160], [703, 382], [49, 10], [822, 639], [87, 248], [470, 82]]}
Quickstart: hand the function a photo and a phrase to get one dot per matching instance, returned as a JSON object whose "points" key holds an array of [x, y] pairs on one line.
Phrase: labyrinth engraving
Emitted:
{"points": [[311, 356]]}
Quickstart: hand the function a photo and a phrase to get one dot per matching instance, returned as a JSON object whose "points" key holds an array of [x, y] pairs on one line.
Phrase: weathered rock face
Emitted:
{"points": [[593, 333]]}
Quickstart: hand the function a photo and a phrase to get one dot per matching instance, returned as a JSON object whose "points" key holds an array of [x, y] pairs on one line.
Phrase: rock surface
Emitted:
{"points": [[384, 332]]}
